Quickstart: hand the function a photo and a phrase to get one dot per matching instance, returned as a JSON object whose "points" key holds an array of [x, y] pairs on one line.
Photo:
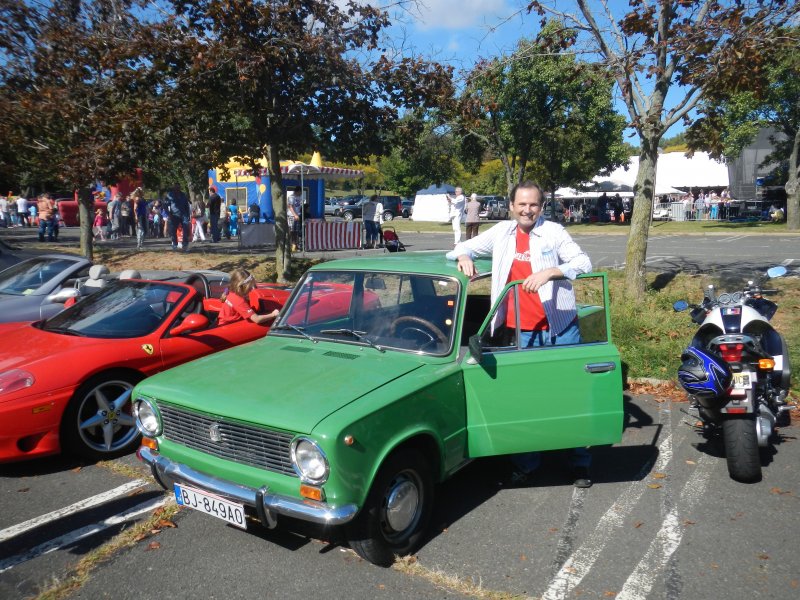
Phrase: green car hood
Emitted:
{"points": [[278, 382]]}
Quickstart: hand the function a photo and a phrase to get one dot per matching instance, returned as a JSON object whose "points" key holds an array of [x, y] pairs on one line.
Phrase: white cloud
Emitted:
{"points": [[460, 14]]}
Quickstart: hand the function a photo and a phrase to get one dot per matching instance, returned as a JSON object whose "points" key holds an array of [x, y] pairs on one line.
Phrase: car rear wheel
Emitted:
{"points": [[388, 215], [347, 216], [397, 510], [98, 423]]}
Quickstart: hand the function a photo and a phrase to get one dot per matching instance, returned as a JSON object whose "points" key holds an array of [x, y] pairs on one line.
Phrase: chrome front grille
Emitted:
{"points": [[245, 444]]}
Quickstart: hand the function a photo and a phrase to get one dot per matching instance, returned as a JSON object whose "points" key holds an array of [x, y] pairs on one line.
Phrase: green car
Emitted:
{"points": [[380, 378]]}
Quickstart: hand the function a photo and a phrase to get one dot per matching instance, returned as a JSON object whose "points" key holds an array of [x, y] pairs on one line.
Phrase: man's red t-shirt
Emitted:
{"points": [[235, 308], [531, 311]]}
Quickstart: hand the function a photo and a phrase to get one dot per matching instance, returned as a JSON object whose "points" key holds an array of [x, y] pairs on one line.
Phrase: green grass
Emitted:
{"points": [[651, 336]]}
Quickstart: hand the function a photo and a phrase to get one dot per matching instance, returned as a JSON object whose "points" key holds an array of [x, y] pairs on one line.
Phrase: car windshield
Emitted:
{"points": [[25, 278], [123, 309], [397, 311]]}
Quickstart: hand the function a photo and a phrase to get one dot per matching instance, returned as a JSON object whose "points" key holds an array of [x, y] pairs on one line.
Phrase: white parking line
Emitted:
{"points": [[787, 262], [84, 532], [10, 532], [582, 560], [640, 582]]}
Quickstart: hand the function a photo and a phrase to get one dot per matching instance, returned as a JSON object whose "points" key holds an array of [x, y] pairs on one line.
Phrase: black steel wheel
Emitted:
{"points": [[398, 508]]}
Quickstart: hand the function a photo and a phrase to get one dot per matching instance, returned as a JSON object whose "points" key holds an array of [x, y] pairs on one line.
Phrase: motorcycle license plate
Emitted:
{"points": [[210, 504], [742, 381]]}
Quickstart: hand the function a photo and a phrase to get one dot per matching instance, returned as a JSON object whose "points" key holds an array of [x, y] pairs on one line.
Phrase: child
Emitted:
{"points": [[99, 224], [234, 301]]}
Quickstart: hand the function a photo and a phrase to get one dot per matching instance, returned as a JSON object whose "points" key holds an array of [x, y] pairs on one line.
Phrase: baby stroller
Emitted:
{"points": [[390, 240]]}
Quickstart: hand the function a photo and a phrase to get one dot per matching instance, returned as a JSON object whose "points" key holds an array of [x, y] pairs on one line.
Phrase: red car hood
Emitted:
{"points": [[22, 345]]}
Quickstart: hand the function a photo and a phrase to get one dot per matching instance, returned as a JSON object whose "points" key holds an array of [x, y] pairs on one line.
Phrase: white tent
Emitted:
{"points": [[675, 170], [431, 204]]}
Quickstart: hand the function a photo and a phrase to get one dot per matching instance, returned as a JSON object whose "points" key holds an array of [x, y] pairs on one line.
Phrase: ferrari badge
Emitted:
{"points": [[148, 348]]}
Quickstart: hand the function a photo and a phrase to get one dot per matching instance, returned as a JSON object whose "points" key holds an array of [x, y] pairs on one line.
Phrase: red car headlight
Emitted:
{"points": [[15, 379]]}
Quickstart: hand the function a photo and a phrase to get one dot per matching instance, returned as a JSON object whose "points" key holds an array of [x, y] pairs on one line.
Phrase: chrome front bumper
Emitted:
{"points": [[267, 505]]}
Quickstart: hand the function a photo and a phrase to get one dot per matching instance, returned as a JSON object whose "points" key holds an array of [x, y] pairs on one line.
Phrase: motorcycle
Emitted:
{"points": [[737, 372]]}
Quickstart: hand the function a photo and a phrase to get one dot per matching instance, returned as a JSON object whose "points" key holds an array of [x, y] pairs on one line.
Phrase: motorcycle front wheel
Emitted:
{"points": [[741, 448]]}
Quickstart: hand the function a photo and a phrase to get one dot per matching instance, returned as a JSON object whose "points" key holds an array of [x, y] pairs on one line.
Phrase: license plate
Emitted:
{"points": [[742, 381], [210, 504]]}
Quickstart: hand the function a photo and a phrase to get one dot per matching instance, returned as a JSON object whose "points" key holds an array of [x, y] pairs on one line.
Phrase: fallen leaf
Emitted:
{"points": [[381, 586], [77, 469], [608, 594], [638, 524], [763, 556], [411, 560], [569, 569], [690, 462], [659, 475], [794, 583], [654, 486], [714, 566], [24, 490], [165, 524], [688, 522], [153, 546], [779, 491], [553, 529]]}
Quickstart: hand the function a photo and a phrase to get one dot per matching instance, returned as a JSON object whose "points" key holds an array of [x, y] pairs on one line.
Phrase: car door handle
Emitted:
{"points": [[600, 367]]}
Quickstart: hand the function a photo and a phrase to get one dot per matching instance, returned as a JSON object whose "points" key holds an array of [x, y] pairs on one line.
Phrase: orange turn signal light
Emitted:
{"points": [[149, 443], [312, 493], [766, 364]]}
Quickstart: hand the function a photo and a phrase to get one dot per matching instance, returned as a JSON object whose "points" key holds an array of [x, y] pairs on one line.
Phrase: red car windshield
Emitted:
{"points": [[123, 309]]}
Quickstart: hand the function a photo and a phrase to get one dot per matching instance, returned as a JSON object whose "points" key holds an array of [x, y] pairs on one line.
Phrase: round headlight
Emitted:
{"points": [[147, 418], [309, 461]]}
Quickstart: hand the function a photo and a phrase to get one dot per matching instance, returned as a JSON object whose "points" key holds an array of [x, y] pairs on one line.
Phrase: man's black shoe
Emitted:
{"points": [[582, 479]]}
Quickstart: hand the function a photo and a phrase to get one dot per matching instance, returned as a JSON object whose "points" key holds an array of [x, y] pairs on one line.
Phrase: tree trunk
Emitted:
{"points": [[86, 218], [643, 194], [283, 238], [793, 186]]}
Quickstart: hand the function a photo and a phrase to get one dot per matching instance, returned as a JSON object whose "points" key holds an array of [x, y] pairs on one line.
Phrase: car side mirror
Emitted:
{"points": [[475, 348], [61, 296], [193, 322]]}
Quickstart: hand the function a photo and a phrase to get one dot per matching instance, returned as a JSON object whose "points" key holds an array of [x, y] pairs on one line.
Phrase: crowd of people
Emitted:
{"points": [[22, 212]]}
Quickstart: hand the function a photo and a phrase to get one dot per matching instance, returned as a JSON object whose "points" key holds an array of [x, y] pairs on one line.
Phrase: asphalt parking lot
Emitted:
{"points": [[663, 520]]}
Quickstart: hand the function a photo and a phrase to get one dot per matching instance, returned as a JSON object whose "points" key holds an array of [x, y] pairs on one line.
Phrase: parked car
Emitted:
{"points": [[408, 208], [392, 206], [390, 390], [65, 383], [494, 208], [28, 289], [350, 207], [331, 206]]}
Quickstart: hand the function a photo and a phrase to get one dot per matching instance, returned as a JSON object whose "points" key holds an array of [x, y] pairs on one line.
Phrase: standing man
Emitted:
{"points": [[543, 255], [214, 203], [456, 205], [115, 214], [22, 212], [473, 220], [140, 214], [294, 204], [4, 216], [46, 210], [372, 215], [180, 215]]}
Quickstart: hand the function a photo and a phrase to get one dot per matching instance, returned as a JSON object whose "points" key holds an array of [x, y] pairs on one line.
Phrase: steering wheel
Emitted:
{"points": [[419, 325]]}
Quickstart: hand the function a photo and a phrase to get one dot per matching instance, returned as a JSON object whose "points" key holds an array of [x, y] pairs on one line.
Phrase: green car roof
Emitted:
{"points": [[431, 263]]}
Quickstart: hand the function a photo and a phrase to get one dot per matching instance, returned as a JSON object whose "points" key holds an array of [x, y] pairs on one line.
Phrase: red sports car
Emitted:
{"points": [[65, 382]]}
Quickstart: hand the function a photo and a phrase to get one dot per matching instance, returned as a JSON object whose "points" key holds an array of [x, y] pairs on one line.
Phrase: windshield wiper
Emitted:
{"points": [[359, 335], [295, 328], [65, 331]]}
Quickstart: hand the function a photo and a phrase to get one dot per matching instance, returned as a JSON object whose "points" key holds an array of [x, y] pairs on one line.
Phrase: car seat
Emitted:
{"points": [[96, 273]]}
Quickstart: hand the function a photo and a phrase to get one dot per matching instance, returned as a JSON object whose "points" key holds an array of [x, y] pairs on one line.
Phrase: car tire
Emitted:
{"points": [[388, 215], [398, 508], [85, 430], [405, 214], [347, 215]]}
